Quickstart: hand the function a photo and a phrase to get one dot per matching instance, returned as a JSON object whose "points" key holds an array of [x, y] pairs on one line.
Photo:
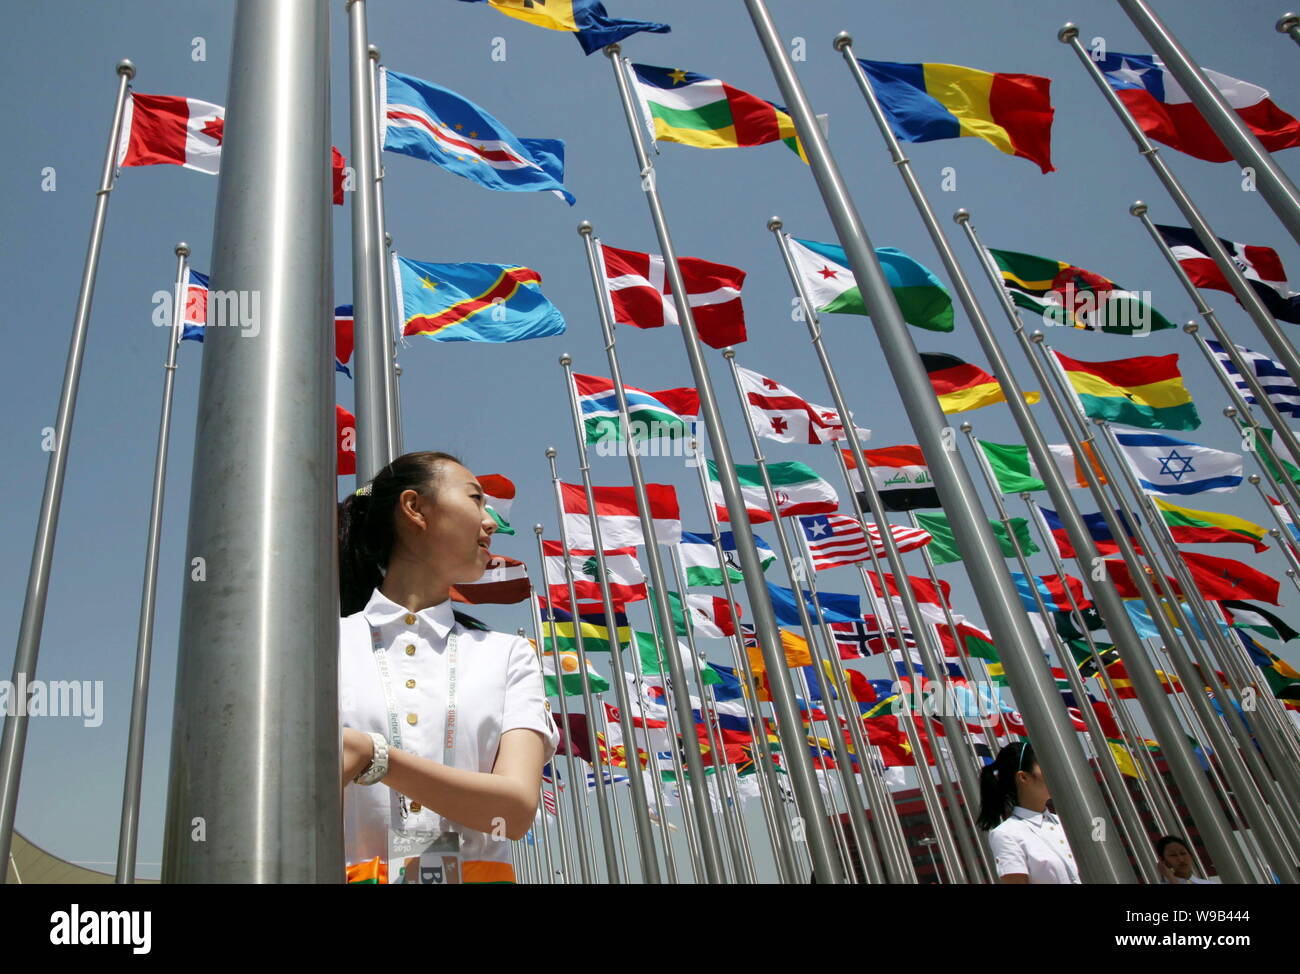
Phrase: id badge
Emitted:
{"points": [[424, 858]]}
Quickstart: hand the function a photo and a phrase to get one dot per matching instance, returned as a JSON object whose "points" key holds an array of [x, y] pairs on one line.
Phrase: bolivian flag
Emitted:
{"points": [[694, 109], [1146, 391], [961, 386], [1207, 527]]}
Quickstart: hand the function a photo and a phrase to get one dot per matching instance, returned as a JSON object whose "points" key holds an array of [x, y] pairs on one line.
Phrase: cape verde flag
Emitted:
{"points": [[430, 122]]}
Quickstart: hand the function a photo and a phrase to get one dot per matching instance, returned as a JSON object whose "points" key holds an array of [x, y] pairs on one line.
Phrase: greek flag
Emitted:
{"points": [[1280, 388]]}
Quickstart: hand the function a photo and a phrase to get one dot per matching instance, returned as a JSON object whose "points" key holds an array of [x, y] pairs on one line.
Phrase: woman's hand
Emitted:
{"points": [[358, 752]]}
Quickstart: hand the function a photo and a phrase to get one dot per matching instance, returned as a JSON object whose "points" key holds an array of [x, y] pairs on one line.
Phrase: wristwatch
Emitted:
{"points": [[378, 767]]}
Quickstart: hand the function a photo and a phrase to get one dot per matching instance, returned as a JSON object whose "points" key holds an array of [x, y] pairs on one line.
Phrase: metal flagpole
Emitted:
{"points": [[1275, 186], [588, 703], [370, 344], [14, 740], [551, 871], [1273, 335], [613, 791], [128, 830], [579, 817], [384, 238], [1187, 773], [1062, 758], [1244, 368], [261, 603], [807, 795], [1289, 23]]}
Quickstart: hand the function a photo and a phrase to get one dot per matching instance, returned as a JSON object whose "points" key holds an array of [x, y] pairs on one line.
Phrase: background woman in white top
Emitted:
{"points": [[1027, 840], [451, 717]]}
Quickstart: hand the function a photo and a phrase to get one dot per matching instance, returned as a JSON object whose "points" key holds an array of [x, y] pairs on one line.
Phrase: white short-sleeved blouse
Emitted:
{"points": [[1033, 843], [498, 688]]}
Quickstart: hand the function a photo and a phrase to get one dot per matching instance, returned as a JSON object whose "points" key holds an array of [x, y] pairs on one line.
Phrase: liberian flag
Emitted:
{"points": [[649, 415], [780, 414], [626, 581], [900, 475], [178, 131], [1165, 113], [797, 487], [620, 527], [1260, 266], [504, 582], [641, 295], [345, 431]]}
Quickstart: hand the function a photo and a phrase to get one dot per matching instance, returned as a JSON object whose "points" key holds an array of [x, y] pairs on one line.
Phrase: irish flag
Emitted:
{"points": [[620, 527], [1016, 471], [798, 490]]}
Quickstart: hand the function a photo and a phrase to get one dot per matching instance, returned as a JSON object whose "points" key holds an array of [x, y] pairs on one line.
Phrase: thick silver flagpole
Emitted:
{"points": [[1274, 185], [384, 241], [14, 740], [254, 790], [371, 345], [799, 764], [128, 830], [1289, 23]]}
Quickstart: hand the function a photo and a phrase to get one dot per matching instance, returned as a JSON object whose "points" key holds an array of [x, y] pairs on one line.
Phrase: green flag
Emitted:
{"points": [[646, 649], [943, 549]]}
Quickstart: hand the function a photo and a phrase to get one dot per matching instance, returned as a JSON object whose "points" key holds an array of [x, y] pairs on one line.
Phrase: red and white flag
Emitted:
{"points": [[907, 539], [712, 617], [345, 428], [778, 413], [504, 582], [639, 291], [626, 581], [620, 527], [178, 131]]}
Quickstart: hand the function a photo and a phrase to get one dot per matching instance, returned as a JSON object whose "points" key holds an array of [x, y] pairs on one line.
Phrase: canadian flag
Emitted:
{"points": [[178, 131], [641, 296]]}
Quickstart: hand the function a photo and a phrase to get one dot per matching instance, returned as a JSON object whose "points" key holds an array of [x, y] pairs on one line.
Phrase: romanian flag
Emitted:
{"points": [[468, 302], [925, 102], [697, 110], [1208, 527], [1146, 391], [961, 386]]}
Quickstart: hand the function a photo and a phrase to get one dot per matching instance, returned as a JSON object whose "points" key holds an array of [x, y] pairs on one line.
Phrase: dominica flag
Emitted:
{"points": [[648, 415], [943, 548], [1016, 471], [569, 673], [925, 102], [473, 302], [1146, 391], [585, 19], [499, 494], [830, 285], [561, 628], [1209, 527], [1064, 294], [697, 110], [798, 490], [961, 386], [1244, 615]]}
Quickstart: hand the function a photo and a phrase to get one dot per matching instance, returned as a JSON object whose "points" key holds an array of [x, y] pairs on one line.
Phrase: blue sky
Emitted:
{"points": [[500, 406]]}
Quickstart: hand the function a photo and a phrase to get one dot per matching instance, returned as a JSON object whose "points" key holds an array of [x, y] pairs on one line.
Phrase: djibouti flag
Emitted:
{"points": [[829, 282], [471, 302]]}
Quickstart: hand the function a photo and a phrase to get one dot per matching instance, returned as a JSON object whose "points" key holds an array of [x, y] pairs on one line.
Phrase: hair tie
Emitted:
{"points": [[363, 490]]}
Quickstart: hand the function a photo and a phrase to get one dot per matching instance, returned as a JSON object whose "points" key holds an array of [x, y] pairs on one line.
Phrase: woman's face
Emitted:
{"points": [[455, 528], [1178, 859], [1031, 787]]}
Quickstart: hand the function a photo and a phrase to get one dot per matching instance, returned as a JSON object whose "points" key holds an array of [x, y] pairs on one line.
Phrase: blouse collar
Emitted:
{"points": [[381, 610]]}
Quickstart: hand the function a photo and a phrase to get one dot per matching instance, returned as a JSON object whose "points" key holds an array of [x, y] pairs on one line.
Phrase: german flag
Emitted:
{"points": [[961, 386]]}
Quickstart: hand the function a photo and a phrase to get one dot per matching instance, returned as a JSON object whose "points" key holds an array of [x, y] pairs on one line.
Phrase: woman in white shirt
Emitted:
{"points": [[1028, 843], [449, 716]]}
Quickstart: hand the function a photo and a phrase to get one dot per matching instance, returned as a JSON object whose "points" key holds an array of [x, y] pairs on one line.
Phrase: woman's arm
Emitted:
{"points": [[505, 797], [1014, 879]]}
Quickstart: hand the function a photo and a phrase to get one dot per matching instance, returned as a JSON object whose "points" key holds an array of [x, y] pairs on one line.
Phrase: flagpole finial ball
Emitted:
{"points": [[1068, 32], [774, 223], [537, 530], [585, 228], [373, 51], [1253, 478], [728, 353], [1138, 208], [1230, 412], [127, 67], [1026, 497], [550, 453], [1287, 23], [612, 50], [388, 240], [961, 216], [1036, 337], [1191, 328], [842, 40], [566, 359], [966, 427], [182, 249]]}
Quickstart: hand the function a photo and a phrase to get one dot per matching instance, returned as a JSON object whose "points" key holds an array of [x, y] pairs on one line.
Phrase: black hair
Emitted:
{"points": [[367, 527], [998, 783], [1165, 841]]}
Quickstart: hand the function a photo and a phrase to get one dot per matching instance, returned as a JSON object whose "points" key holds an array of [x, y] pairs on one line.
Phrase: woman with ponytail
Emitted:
{"points": [[1027, 840], [449, 716]]}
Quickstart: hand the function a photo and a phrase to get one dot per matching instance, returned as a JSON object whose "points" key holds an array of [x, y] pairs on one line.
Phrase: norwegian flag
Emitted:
{"points": [[866, 638], [639, 291], [778, 413]]}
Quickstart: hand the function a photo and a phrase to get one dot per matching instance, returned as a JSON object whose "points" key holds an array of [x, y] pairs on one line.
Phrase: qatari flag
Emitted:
{"points": [[1261, 267]]}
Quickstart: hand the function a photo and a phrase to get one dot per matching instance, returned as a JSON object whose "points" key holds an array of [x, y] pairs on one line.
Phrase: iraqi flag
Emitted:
{"points": [[620, 527], [797, 487], [626, 580], [504, 582], [1164, 111], [900, 475], [781, 414], [1260, 266], [642, 297]]}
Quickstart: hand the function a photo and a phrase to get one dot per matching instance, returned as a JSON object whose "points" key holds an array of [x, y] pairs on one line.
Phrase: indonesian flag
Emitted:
{"points": [[620, 526], [178, 131], [1260, 266], [626, 581], [641, 296], [780, 414], [504, 582], [345, 425]]}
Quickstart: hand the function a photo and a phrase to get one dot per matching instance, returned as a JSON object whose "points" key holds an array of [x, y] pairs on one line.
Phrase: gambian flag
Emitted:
{"points": [[626, 581], [697, 110], [648, 416], [900, 475], [559, 628], [797, 487], [500, 493], [570, 674], [620, 527], [961, 386], [1146, 391], [828, 280], [1208, 527], [1067, 295], [1016, 471], [504, 582]]}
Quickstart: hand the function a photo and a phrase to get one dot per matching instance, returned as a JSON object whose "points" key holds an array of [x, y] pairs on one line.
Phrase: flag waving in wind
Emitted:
{"points": [[779, 414], [585, 19], [470, 302], [642, 296], [1261, 266]]}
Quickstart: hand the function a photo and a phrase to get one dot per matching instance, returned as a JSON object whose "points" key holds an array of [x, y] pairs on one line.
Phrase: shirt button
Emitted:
{"points": [[409, 619], [410, 650], [416, 806], [412, 719], [410, 684]]}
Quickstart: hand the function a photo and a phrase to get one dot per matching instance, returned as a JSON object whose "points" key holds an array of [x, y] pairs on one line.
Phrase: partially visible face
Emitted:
{"points": [[1031, 786], [458, 528], [1179, 859]]}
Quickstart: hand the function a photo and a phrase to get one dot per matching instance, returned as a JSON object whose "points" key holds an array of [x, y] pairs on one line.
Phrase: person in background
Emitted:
{"points": [[1175, 863]]}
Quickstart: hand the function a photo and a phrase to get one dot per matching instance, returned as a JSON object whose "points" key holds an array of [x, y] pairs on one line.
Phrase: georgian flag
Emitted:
{"points": [[641, 296], [780, 414], [1260, 266]]}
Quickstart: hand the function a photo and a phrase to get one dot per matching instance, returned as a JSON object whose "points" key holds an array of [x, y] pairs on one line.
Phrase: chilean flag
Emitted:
{"points": [[1165, 113]]}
